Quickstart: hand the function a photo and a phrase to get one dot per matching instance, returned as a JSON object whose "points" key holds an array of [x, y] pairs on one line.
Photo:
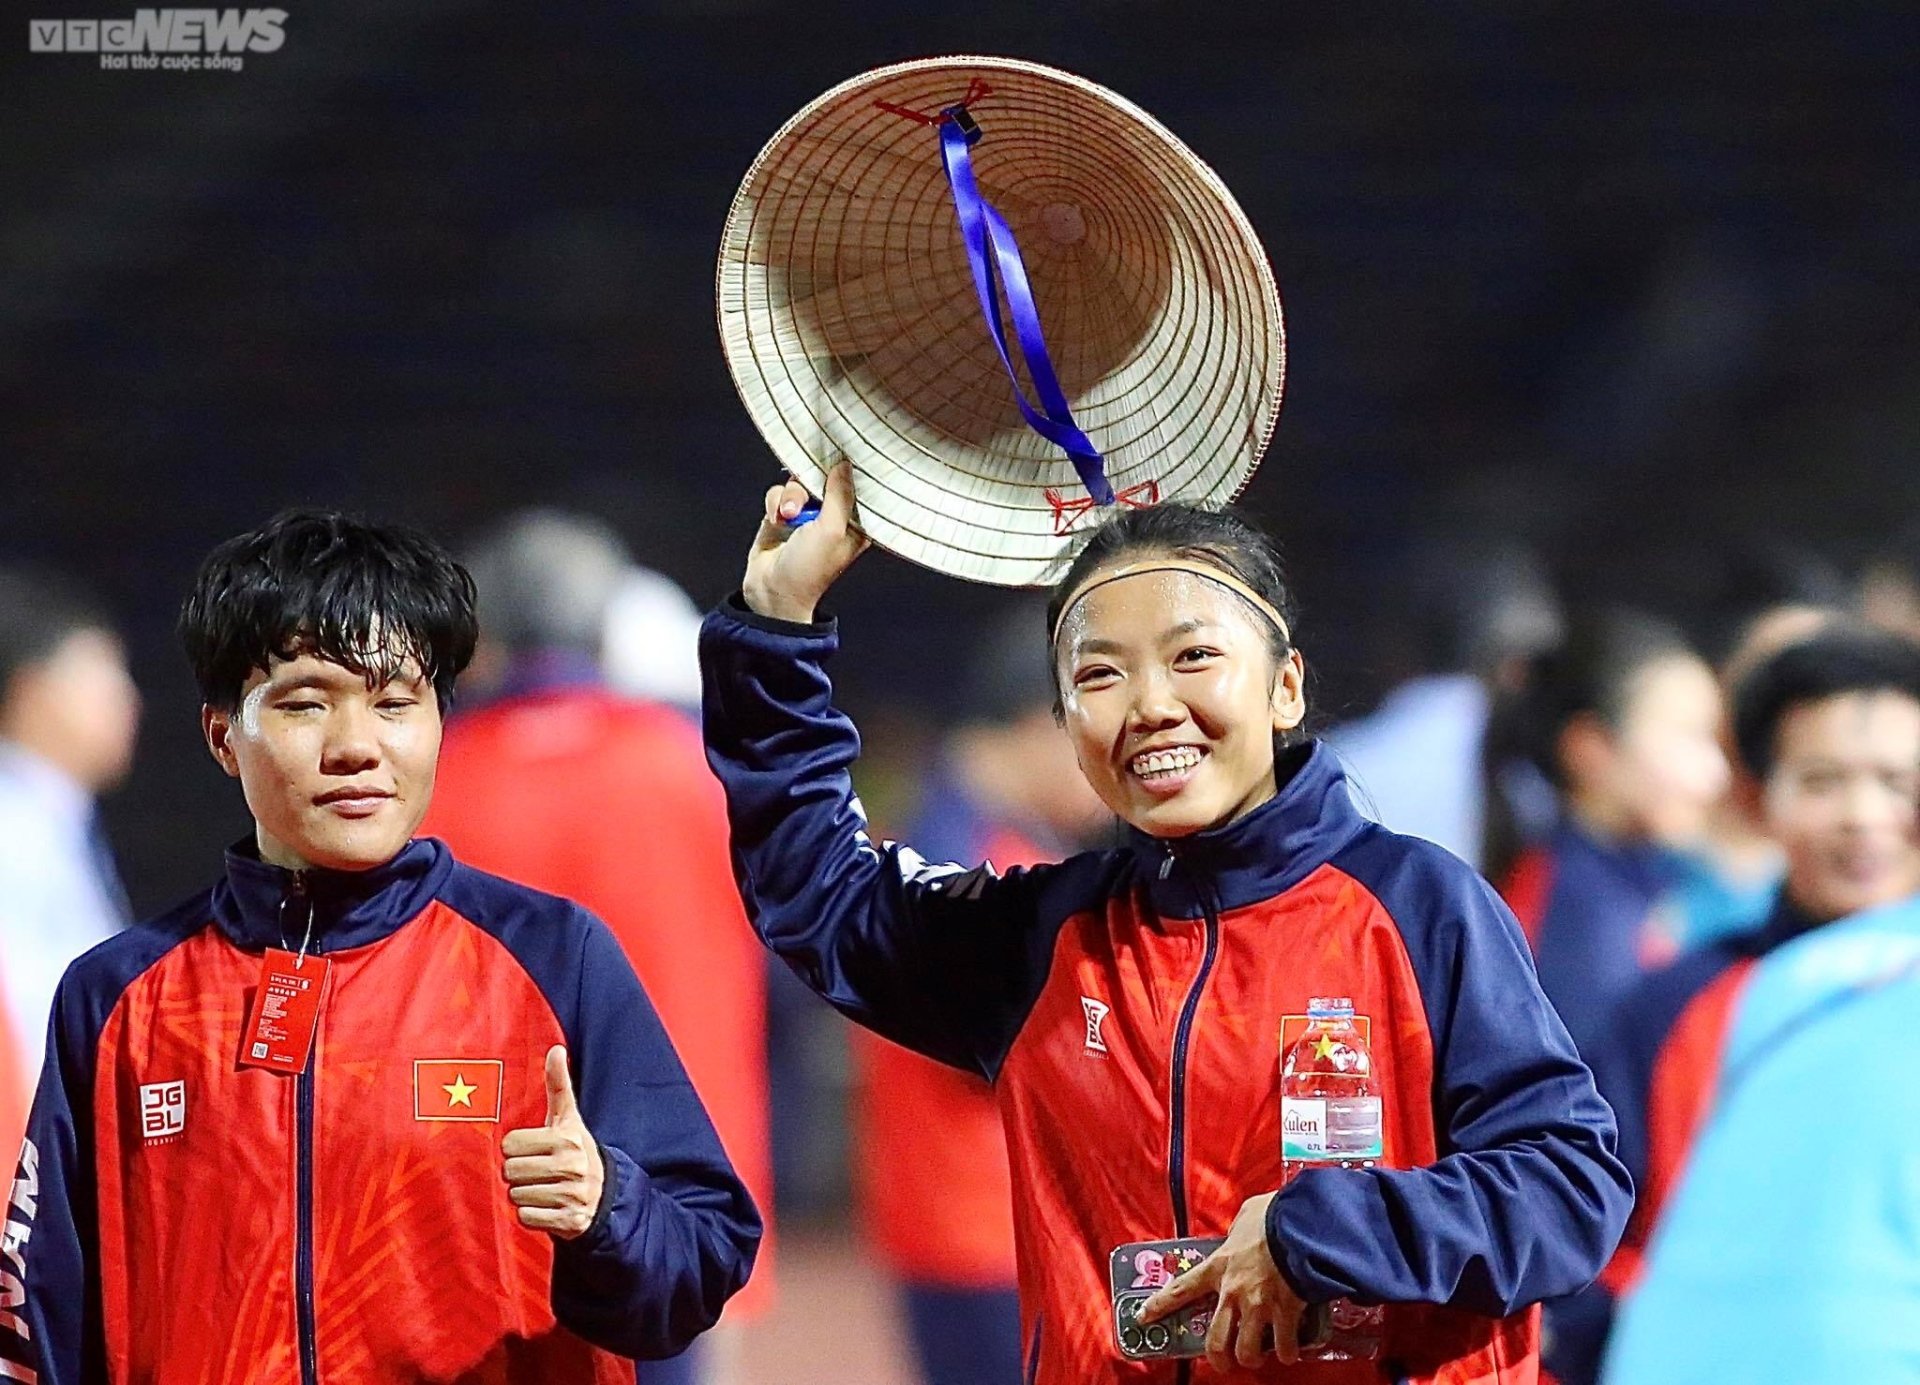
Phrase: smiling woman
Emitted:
{"points": [[1173, 652], [1130, 1005]]}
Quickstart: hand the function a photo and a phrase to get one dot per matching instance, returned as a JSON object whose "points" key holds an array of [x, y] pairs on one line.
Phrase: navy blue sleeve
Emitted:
{"points": [[1573, 1335], [676, 1232], [50, 1313], [1527, 1199], [50, 1298], [939, 959]]}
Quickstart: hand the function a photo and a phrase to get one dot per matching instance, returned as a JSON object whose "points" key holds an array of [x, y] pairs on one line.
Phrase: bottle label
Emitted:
{"points": [[1330, 1128], [1303, 1127], [1354, 1128]]}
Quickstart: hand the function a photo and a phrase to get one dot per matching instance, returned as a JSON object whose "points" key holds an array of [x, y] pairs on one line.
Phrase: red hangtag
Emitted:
{"points": [[286, 1010]]}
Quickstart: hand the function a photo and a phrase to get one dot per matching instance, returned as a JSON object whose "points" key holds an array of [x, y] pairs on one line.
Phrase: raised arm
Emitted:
{"points": [[939, 958]]}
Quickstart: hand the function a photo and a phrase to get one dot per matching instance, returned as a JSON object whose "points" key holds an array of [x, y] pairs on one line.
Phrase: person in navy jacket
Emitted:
{"points": [[357, 1111], [1128, 1005]]}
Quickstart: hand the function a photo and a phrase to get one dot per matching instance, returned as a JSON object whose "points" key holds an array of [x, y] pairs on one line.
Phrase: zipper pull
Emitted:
{"points": [[1166, 866], [298, 889]]}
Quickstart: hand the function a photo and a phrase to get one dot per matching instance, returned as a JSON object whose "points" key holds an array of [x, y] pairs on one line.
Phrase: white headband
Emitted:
{"points": [[1103, 576]]}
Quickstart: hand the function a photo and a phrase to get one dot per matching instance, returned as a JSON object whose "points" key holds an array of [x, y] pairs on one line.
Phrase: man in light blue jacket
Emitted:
{"points": [[1791, 1253]]}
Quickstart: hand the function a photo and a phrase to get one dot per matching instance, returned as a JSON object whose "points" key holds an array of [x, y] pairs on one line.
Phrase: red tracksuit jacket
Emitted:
{"points": [[179, 1218], [1127, 1006]]}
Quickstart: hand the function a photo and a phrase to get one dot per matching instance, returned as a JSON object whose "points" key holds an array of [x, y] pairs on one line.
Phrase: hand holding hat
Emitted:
{"points": [[791, 566]]}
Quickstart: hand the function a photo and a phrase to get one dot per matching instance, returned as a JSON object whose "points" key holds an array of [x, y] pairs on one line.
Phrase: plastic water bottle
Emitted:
{"points": [[1330, 1119]]}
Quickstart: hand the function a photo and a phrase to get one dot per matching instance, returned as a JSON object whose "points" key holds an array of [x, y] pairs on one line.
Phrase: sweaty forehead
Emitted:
{"points": [[1146, 607]]}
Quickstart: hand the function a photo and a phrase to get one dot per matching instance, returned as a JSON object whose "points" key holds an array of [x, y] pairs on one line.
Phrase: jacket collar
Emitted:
{"points": [[1256, 857], [260, 906]]}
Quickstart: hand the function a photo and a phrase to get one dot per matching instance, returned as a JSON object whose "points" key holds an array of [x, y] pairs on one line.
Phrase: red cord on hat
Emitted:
{"points": [[976, 88], [1066, 513]]}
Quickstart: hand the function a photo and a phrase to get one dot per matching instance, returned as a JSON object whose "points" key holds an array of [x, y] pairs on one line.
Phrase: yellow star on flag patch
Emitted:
{"points": [[457, 1089]]}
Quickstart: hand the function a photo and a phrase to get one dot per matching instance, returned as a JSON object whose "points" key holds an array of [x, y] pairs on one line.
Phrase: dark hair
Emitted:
{"points": [[365, 596], [39, 611], [1833, 662], [1224, 539], [1586, 674]]}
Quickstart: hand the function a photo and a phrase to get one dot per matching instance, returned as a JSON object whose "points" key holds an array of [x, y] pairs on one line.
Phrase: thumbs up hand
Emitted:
{"points": [[554, 1174]]}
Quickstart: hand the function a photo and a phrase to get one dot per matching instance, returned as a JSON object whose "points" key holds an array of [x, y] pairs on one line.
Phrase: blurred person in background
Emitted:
{"points": [[1828, 731], [1791, 1253], [1624, 719], [1770, 593], [557, 782], [1890, 586], [1417, 762], [1729, 880], [69, 714], [931, 1156]]}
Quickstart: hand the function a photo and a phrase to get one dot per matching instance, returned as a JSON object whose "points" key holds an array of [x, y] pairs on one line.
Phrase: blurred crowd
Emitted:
{"points": [[1681, 820], [1676, 821]]}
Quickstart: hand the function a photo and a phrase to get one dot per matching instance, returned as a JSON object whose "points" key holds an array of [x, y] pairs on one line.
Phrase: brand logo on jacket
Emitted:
{"points": [[163, 1111], [1097, 1012], [457, 1089]]}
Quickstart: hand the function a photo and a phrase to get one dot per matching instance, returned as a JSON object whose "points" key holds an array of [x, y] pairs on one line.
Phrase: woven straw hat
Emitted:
{"points": [[852, 323]]}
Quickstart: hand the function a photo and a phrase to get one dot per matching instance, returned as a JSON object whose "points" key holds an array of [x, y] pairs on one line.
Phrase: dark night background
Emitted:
{"points": [[1632, 283]]}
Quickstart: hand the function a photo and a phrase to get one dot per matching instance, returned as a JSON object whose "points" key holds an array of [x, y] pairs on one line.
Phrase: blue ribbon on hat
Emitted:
{"points": [[990, 245]]}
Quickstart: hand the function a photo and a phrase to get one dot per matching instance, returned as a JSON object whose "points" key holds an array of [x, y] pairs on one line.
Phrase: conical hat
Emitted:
{"points": [[851, 323]]}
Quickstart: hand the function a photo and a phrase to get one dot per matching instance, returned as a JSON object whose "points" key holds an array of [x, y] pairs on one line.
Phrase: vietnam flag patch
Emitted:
{"points": [[457, 1089]]}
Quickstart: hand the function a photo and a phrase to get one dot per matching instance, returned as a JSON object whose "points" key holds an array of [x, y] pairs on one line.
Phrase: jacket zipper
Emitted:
{"points": [[303, 1182], [1177, 1107]]}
